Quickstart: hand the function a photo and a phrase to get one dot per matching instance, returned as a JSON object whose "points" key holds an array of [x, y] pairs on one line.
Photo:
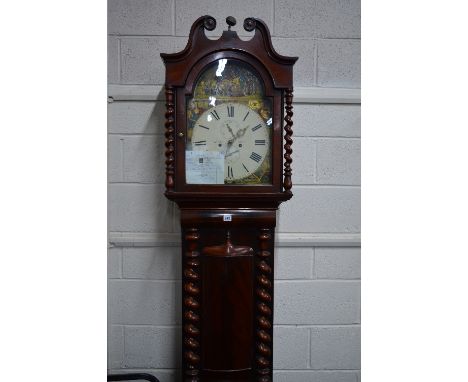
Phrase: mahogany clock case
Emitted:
{"points": [[228, 229]]}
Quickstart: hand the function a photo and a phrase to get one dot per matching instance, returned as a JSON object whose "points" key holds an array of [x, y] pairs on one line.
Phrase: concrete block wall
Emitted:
{"points": [[317, 295]]}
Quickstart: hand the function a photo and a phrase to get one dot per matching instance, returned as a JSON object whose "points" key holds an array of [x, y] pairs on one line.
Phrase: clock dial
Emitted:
{"points": [[238, 133], [229, 127]]}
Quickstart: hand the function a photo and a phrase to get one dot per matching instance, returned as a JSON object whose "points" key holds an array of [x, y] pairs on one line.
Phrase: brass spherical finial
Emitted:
{"points": [[230, 21]]}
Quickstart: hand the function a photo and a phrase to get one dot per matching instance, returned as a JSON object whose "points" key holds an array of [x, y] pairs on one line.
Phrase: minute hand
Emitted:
{"points": [[230, 131]]}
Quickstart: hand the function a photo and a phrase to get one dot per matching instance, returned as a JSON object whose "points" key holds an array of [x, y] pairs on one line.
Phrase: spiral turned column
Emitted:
{"points": [[288, 138], [191, 306], [264, 307], [170, 119]]}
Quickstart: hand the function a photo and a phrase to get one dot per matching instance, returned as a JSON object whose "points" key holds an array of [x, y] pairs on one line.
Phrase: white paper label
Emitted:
{"points": [[204, 167], [227, 218]]}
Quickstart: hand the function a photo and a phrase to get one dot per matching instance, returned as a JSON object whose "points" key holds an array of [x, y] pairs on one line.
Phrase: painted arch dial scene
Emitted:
{"points": [[229, 127]]}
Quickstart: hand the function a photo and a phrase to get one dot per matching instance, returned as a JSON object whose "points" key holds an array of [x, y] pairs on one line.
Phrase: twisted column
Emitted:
{"points": [[191, 306], [170, 118], [288, 138], [264, 306]]}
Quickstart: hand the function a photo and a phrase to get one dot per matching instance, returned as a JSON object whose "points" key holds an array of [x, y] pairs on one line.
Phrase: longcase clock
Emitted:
{"points": [[228, 167]]}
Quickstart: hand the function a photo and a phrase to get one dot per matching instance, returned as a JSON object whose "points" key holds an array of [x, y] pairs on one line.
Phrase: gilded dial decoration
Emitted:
{"points": [[238, 133]]}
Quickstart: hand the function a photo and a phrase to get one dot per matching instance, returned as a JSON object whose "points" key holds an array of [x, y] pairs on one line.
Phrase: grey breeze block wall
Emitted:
{"points": [[317, 276]]}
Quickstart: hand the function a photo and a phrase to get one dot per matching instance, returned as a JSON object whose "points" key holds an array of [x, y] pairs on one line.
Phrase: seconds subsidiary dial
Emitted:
{"points": [[237, 132]]}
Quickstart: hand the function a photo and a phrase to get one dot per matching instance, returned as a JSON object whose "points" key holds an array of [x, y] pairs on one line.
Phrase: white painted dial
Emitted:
{"points": [[236, 131]]}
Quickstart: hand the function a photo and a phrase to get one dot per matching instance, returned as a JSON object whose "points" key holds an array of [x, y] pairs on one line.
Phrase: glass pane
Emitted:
{"points": [[229, 123]]}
